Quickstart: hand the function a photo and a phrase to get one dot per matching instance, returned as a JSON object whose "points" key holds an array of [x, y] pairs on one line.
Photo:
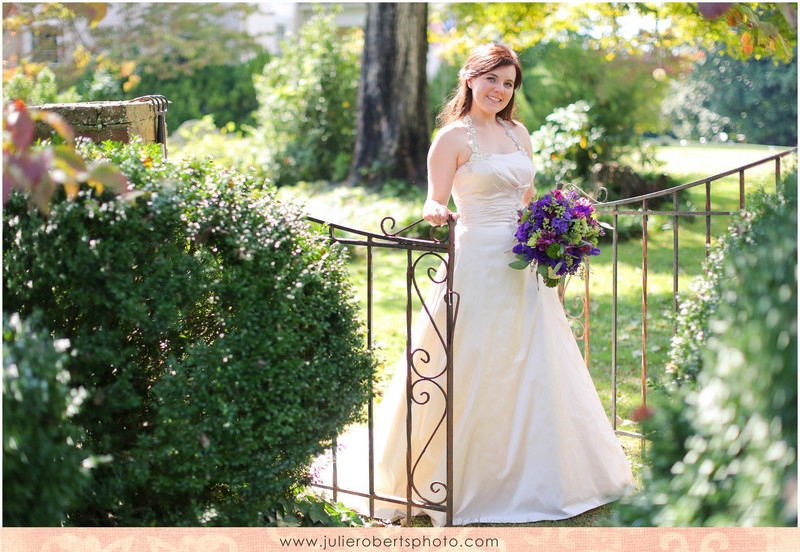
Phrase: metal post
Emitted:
{"points": [[409, 391], [450, 373]]}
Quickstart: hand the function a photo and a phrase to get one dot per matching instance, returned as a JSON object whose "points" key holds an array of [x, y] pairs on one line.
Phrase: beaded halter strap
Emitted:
{"points": [[510, 132]]}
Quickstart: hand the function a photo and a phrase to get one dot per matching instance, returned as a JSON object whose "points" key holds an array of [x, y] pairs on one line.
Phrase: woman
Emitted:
{"points": [[531, 439]]}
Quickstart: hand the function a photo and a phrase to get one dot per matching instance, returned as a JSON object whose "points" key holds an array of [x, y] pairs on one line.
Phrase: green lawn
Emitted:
{"points": [[686, 164]]}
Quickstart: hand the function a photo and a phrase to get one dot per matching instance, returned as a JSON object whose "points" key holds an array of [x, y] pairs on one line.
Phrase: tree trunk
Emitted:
{"points": [[392, 126]]}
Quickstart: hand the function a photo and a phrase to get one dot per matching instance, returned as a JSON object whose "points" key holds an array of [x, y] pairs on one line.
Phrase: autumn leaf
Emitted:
{"points": [[106, 175], [70, 165], [713, 10], [59, 124], [132, 81], [20, 123], [127, 68], [747, 43], [93, 11], [734, 17]]}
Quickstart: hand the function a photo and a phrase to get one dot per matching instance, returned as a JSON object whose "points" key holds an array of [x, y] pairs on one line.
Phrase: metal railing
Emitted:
{"points": [[639, 208], [443, 250], [418, 253]]}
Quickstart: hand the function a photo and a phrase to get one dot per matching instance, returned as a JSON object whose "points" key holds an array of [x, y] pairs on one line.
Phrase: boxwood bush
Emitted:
{"points": [[215, 333], [42, 466], [724, 443], [307, 102]]}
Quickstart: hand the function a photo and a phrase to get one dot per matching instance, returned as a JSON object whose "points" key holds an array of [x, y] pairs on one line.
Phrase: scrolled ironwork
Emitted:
{"points": [[579, 304], [389, 233], [425, 389], [424, 397]]}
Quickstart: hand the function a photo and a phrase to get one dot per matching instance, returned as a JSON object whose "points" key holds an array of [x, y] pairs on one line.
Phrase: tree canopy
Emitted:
{"points": [[746, 29]]}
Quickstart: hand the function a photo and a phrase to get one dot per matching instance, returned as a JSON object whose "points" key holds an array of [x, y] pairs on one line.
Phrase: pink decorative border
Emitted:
{"points": [[399, 539]]}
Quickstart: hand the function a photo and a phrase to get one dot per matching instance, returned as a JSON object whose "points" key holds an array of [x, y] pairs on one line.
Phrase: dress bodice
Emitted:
{"points": [[489, 187]]}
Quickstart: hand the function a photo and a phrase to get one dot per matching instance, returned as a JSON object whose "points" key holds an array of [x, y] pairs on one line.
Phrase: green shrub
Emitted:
{"points": [[36, 89], [725, 451], [307, 104], [566, 145], [227, 146], [215, 333], [42, 467], [695, 312], [623, 89], [224, 91]]}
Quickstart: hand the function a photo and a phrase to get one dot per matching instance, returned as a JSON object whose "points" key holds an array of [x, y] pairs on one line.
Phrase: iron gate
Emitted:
{"points": [[419, 252], [443, 250]]}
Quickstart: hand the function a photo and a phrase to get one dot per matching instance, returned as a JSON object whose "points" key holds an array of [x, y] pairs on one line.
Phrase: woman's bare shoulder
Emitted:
{"points": [[453, 132], [519, 127], [452, 137]]}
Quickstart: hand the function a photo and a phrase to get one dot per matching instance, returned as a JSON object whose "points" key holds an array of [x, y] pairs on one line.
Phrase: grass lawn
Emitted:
{"points": [[686, 164]]}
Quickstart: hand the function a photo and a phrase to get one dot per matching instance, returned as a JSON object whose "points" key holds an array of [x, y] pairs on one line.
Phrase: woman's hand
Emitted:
{"points": [[436, 213]]}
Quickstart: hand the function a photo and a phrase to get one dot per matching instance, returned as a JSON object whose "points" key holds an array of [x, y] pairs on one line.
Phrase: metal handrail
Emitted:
{"points": [[613, 208], [680, 187]]}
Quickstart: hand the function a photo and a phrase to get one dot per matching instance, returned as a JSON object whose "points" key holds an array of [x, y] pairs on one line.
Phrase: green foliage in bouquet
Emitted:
{"points": [[215, 333], [724, 448], [42, 467]]}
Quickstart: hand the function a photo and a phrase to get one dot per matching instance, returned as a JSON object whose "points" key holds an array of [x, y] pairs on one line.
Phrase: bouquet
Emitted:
{"points": [[556, 233]]}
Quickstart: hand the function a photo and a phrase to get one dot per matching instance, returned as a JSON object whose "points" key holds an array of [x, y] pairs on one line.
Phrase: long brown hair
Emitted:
{"points": [[483, 59]]}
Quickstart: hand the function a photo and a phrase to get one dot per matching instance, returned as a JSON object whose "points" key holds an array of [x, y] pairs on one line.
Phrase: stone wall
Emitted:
{"points": [[118, 121]]}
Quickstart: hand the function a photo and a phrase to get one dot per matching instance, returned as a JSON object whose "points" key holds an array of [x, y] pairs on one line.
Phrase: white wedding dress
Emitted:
{"points": [[531, 439]]}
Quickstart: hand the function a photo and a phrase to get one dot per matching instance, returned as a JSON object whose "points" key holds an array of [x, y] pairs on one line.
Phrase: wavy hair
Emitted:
{"points": [[481, 60]]}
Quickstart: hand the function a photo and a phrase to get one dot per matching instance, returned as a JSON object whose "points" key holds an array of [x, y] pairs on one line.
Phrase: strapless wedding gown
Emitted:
{"points": [[531, 438]]}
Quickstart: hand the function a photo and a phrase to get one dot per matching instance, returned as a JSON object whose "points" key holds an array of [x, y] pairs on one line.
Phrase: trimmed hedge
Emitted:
{"points": [[42, 467], [215, 332], [724, 447]]}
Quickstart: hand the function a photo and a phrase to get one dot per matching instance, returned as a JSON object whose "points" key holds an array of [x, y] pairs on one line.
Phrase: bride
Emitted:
{"points": [[531, 439]]}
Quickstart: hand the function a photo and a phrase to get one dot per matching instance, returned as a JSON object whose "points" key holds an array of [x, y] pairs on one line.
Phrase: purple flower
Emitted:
{"points": [[551, 216], [560, 225], [523, 231]]}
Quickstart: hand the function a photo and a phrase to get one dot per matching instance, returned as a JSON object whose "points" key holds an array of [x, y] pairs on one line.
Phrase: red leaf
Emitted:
{"points": [[713, 10], [20, 124], [642, 413]]}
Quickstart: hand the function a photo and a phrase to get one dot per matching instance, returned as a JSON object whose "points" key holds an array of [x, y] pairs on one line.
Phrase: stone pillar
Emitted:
{"points": [[118, 121]]}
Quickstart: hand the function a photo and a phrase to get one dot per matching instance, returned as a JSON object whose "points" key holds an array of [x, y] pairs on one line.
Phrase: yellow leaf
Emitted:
{"points": [[71, 188], [127, 68], [583, 142], [132, 81], [82, 57], [98, 186], [610, 56]]}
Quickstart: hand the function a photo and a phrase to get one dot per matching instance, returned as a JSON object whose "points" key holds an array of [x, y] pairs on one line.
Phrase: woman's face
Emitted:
{"points": [[492, 91]]}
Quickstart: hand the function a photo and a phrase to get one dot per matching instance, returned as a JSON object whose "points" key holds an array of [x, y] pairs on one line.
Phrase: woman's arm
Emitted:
{"points": [[443, 161]]}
